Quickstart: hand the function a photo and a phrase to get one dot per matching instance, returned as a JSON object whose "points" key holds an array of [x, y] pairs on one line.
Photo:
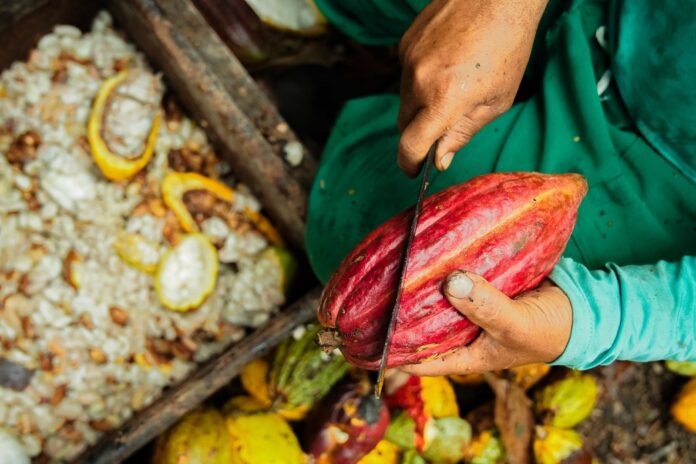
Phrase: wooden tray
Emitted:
{"points": [[246, 130]]}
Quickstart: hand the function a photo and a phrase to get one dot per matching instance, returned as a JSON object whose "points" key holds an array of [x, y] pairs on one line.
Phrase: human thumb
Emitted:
{"points": [[482, 303]]}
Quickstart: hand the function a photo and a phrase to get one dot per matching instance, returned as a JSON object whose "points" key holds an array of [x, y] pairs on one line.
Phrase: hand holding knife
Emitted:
{"points": [[403, 267]]}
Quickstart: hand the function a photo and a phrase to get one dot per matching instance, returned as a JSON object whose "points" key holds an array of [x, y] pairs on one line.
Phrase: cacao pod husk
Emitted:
{"points": [[567, 402], [200, 437], [302, 374], [449, 441], [510, 228], [559, 446], [424, 398], [238, 26], [412, 457], [486, 448], [348, 425], [684, 408], [444, 440], [528, 375], [385, 452], [685, 368], [261, 436]]}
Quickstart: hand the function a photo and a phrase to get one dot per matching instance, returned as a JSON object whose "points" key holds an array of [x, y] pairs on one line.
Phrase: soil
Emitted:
{"points": [[631, 423]]}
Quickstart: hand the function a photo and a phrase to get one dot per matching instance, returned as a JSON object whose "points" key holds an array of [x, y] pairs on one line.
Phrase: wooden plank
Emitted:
{"points": [[116, 446], [202, 89], [23, 22], [251, 100]]}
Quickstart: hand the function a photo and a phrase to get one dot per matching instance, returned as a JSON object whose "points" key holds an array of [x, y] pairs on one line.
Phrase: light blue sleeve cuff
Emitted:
{"points": [[584, 319], [634, 313]]}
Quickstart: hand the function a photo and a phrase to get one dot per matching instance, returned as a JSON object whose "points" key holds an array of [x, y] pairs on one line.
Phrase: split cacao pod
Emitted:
{"points": [[510, 228], [347, 425]]}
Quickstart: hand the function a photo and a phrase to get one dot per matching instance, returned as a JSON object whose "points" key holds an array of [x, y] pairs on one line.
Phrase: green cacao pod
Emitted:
{"points": [[302, 374], [567, 402]]}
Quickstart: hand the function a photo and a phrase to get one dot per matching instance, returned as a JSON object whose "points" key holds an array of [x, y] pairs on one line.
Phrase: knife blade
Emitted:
{"points": [[403, 267]]}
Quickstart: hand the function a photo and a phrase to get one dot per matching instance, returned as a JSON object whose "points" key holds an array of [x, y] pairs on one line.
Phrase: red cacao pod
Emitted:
{"points": [[510, 228]]}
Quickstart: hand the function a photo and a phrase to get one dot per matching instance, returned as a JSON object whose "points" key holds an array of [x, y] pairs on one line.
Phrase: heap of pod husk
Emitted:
{"points": [[254, 427], [684, 407], [289, 414], [300, 405], [561, 406], [299, 375]]}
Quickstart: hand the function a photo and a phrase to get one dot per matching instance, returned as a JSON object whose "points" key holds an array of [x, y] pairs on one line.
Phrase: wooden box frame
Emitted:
{"points": [[246, 130]]}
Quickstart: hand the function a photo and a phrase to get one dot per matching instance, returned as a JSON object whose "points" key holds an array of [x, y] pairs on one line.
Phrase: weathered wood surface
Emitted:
{"points": [[23, 22], [252, 101], [150, 422], [215, 88]]}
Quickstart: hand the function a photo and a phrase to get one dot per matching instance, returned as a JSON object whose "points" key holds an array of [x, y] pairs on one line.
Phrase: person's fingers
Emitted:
{"points": [[549, 312], [460, 134], [484, 354], [406, 113], [410, 103], [394, 379], [511, 328], [425, 128], [485, 305]]}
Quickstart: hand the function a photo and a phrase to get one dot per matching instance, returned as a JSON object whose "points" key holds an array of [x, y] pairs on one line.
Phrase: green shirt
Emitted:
{"points": [[654, 63]]}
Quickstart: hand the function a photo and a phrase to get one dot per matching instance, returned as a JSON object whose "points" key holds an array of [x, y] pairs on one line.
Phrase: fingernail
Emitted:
{"points": [[459, 285], [446, 159]]}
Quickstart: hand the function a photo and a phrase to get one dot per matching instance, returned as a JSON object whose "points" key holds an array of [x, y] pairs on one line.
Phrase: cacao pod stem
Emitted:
{"points": [[329, 339]]}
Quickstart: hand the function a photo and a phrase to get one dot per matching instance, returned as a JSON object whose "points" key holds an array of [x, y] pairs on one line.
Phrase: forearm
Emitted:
{"points": [[636, 313]]}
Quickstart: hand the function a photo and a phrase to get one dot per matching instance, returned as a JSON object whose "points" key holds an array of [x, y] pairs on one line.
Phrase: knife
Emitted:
{"points": [[403, 267]]}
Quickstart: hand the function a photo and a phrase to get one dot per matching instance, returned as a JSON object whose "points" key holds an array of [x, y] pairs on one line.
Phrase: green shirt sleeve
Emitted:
{"points": [[633, 313]]}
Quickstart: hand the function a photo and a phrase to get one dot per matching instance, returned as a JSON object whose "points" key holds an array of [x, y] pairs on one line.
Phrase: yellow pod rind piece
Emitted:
{"points": [[685, 368], [286, 263], [567, 402], [294, 413], [243, 405], [254, 377], [263, 437], [208, 273], [131, 249], [552, 445], [113, 166], [530, 374], [468, 379], [176, 184], [684, 408], [385, 452], [200, 437], [438, 397]]}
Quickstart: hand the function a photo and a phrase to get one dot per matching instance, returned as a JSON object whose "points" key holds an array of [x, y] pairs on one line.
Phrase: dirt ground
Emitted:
{"points": [[631, 423]]}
